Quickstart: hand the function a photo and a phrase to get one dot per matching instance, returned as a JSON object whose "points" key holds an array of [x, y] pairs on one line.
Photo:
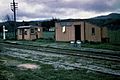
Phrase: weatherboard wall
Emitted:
{"points": [[29, 35], [92, 37], [64, 36], [86, 32], [69, 33]]}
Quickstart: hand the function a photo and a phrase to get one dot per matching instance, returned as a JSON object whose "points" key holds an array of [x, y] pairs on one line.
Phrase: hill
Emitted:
{"points": [[112, 21], [110, 16]]}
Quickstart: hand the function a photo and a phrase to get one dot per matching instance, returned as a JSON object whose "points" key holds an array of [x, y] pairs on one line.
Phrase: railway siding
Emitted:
{"points": [[61, 62], [62, 46], [96, 55]]}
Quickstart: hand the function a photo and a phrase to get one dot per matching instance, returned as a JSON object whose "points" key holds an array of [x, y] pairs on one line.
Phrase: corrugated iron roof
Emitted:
{"points": [[26, 26], [69, 22]]}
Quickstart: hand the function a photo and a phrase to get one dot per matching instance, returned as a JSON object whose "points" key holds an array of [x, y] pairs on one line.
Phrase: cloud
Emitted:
{"points": [[86, 5], [4, 9], [39, 9]]}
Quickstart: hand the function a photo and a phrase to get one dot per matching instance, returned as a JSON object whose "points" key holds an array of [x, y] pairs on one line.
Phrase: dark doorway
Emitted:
{"points": [[36, 35], [77, 32], [23, 33]]}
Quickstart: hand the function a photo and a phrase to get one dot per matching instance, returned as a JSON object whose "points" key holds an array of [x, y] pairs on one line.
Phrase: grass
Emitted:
{"points": [[42, 40], [64, 45], [47, 72], [48, 38], [9, 35], [102, 46], [1, 48]]}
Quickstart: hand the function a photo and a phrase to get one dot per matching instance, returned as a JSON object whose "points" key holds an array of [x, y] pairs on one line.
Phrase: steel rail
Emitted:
{"points": [[94, 55]]}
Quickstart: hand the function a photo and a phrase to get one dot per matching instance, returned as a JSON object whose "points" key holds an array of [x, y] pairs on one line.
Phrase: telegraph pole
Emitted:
{"points": [[14, 6]]}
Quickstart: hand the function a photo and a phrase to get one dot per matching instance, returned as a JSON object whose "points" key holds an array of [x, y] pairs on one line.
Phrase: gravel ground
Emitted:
{"points": [[64, 61]]}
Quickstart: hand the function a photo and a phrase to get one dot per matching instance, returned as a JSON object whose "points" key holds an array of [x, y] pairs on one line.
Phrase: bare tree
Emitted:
{"points": [[7, 18]]}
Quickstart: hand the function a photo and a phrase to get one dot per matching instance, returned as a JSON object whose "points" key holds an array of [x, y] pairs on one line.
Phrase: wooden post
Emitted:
{"points": [[4, 30]]}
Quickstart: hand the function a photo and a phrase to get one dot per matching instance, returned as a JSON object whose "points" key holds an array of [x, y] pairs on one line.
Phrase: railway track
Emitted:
{"points": [[48, 50], [95, 55]]}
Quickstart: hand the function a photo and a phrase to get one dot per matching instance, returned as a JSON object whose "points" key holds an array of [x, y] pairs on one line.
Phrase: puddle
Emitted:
{"points": [[28, 66]]}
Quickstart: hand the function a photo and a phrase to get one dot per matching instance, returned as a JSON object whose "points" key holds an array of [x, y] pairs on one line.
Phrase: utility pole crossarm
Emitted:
{"points": [[14, 6]]}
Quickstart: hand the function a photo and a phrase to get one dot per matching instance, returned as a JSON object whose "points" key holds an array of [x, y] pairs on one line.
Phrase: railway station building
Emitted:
{"points": [[29, 32], [76, 29]]}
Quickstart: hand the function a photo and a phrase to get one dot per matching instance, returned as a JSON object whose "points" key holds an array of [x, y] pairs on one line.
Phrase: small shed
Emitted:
{"points": [[29, 32], [69, 30]]}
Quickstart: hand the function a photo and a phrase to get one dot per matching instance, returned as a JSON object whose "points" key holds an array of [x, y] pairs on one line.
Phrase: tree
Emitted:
{"points": [[7, 18]]}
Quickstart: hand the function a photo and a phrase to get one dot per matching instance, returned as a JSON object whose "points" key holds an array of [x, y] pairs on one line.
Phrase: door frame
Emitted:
{"points": [[77, 32], [23, 36]]}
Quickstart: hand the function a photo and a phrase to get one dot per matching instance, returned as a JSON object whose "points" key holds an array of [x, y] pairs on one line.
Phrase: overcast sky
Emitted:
{"points": [[46, 9]]}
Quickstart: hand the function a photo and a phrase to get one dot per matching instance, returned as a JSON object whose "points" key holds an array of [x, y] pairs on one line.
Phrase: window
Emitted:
{"points": [[25, 31], [39, 29], [63, 29], [20, 31], [32, 31], [93, 31], [36, 29]]}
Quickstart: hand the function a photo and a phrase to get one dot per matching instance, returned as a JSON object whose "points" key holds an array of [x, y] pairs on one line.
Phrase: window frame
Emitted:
{"points": [[25, 31], [32, 32], [20, 31], [93, 31]]}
